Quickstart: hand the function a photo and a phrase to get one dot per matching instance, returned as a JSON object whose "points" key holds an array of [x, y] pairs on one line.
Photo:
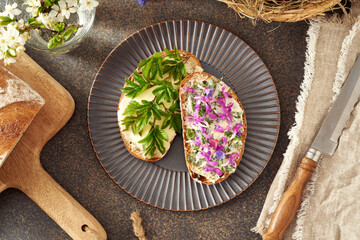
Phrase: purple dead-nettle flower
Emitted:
{"points": [[231, 158], [184, 88], [209, 92], [220, 155], [141, 2], [219, 129], [203, 131], [213, 163], [197, 141], [237, 127], [213, 169]]}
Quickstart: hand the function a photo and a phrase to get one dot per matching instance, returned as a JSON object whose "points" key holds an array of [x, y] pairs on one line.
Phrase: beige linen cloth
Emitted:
{"points": [[330, 207]]}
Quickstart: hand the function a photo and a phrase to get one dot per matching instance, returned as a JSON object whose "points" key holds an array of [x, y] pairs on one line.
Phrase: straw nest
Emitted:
{"points": [[281, 10]]}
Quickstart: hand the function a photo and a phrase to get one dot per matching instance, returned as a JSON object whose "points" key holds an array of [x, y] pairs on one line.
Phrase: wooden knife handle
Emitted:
{"points": [[290, 201], [74, 219]]}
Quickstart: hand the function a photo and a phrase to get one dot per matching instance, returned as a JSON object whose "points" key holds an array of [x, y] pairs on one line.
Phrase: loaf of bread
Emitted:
{"points": [[214, 128], [19, 104], [131, 139]]}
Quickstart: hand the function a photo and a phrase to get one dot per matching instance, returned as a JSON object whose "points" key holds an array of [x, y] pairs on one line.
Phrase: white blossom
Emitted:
{"points": [[88, 5], [72, 3], [33, 6], [45, 19], [66, 10], [8, 60], [11, 10], [56, 10], [12, 41]]}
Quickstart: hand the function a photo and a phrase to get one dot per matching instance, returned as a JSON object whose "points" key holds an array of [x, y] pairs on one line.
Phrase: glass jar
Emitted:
{"points": [[39, 39]]}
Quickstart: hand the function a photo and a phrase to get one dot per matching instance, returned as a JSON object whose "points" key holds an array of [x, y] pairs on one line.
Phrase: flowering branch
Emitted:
{"points": [[45, 15]]}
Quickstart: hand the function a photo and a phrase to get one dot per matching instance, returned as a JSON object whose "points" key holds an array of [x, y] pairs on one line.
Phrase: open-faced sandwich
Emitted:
{"points": [[214, 128], [149, 112]]}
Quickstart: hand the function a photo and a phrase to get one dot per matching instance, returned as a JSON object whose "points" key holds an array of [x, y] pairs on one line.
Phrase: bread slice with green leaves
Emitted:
{"points": [[214, 128], [149, 111]]}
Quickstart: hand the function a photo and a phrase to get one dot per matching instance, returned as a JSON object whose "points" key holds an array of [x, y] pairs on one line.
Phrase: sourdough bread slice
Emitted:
{"points": [[19, 104], [130, 139], [214, 128]]}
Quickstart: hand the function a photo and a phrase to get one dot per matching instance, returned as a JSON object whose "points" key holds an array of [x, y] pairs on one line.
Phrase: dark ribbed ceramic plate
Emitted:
{"points": [[166, 184]]}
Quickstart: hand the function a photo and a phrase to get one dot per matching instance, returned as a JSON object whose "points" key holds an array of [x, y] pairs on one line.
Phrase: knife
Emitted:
{"points": [[325, 143]]}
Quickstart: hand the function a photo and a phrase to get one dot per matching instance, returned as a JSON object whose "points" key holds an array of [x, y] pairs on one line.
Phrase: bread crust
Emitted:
{"points": [[187, 148], [136, 152], [19, 104]]}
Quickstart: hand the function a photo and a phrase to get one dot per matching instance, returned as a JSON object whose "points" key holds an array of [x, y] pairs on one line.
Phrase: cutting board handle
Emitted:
{"points": [[75, 220], [2, 186], [290, 201]]}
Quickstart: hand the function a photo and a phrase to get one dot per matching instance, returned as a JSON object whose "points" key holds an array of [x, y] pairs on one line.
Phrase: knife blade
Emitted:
{"points": [[325, 143], [326, 140]]}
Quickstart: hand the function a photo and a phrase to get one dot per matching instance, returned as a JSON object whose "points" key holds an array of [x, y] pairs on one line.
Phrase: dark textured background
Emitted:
{"points": [[69, 157]]}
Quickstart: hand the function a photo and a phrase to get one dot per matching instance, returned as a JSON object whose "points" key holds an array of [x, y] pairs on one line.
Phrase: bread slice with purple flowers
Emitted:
{"points": [[214, 128]]}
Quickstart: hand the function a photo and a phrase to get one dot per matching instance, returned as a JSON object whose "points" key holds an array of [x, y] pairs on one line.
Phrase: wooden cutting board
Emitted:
{"points": [[23, 170]]}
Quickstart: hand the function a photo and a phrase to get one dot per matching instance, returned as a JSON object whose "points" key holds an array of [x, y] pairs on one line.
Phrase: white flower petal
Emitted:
{"points": [[16, 12], [62, 4], [52, 13]]}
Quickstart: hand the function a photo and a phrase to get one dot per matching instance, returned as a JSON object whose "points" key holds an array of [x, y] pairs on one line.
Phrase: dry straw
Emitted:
{"points": [[281, 10]]}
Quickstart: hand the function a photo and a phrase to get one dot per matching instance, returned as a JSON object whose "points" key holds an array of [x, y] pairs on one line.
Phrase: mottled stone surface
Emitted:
{"points": [[69, 157]]}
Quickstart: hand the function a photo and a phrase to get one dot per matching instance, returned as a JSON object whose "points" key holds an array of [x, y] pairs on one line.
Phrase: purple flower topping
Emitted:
{"points": [[206, 155], [209, 92], [209, 168], [218, 171], [213, 169], [231, 158], [197, 107], [224, 140], [219, 147], [141, 2], [213, 143], [226, 94], [220, 155], [203, 131], [184, 88], [197, 141], [219, 129], [213, 163], [212, 115], [237, 128], [196, 119]]}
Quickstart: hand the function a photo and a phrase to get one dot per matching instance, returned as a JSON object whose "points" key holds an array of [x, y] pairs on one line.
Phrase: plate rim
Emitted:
{"points": [[101, 67]]}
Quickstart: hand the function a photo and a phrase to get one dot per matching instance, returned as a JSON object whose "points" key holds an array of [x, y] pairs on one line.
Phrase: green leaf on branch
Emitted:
{"points": [[49, 3], [61, 37], [55, 42], [59, 27], [5, 20], [154, 140], [67, 33], [34, 23]]}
